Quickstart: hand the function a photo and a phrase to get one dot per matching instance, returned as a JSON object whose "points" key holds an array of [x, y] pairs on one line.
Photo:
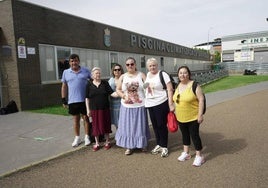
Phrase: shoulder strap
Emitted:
{"points": [[194, 86], [162, 79], [194, 90]]}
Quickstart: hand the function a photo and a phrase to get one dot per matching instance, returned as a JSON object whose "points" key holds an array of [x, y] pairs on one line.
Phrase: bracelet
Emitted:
{"points": [[64, 101]]}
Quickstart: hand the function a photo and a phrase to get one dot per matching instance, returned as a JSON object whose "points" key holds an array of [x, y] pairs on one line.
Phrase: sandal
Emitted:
{"points": [[107, 146], [96, 147]]}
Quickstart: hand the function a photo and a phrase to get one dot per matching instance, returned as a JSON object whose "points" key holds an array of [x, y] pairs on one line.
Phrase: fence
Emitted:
{"points": [[204, 77], [240, 67]]}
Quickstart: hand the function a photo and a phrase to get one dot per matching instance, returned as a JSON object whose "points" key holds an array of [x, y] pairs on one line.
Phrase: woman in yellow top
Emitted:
{"points": [[189, 113]]}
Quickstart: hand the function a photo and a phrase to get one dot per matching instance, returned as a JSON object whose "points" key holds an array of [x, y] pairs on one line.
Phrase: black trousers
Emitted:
{"points": [[191, 130], [158, 115]]}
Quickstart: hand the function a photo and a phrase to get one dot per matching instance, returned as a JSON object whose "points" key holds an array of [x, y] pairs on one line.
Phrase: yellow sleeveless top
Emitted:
{"points": [[186, 109]]}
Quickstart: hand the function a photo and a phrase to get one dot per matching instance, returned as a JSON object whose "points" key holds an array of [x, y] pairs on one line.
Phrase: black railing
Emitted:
{"points": [[204, 77]]}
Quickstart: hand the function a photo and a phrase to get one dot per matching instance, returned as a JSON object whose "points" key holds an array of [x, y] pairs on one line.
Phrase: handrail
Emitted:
{"points": [[208, 76]]}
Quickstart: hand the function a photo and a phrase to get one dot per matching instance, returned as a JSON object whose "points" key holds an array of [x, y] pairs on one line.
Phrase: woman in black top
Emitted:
{"points": [[98, 107]]}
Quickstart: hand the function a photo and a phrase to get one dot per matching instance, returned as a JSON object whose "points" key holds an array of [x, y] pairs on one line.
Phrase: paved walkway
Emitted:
{"points": [[236, 137]]}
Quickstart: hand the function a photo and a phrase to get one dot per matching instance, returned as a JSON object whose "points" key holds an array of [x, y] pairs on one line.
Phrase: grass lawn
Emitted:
{"points": [[222, 84], [233, 82], [56, 110]]}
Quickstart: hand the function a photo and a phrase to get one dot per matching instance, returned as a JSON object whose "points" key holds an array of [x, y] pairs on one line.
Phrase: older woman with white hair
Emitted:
{"points": [[98, 107], [159, 102]]}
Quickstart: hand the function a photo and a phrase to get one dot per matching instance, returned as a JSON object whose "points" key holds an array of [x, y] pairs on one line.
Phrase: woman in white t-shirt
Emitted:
{"points": [[133, 130], [159, 102]]}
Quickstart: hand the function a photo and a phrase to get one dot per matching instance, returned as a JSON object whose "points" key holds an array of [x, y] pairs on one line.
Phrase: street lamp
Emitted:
{"points": [[210, 28]]}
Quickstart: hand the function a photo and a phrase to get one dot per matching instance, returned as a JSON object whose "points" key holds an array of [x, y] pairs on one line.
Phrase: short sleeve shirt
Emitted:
{"points": [[99, 96], [133, 89], [76, 82], [154, 93]]}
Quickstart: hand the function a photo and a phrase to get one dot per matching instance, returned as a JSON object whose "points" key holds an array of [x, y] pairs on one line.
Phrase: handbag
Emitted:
{"points": [[172, 122]]}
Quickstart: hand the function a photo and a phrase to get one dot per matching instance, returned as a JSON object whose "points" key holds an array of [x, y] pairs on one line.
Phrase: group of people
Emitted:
{"points": [[124, 101]]}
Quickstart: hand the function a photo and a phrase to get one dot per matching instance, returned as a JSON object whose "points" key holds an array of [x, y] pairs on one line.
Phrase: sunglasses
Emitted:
{"points": [[130, 64], [117, 69], [178, 99]]}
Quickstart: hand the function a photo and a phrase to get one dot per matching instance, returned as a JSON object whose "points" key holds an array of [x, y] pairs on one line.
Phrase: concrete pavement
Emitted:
{"points": [[28, 138]]}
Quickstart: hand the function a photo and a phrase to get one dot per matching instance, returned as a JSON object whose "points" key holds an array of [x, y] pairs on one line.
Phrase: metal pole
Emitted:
{"points": [[208, 37]]}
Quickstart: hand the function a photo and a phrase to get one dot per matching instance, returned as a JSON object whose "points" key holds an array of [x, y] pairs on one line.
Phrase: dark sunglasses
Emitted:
{"points": [[130, 64], [178, 99], [117, 69]]}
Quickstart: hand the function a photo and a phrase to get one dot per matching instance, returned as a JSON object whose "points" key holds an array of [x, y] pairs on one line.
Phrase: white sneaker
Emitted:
{"points": [[87, 140], [184, 156], [128, 152], [76, 141], [164, 152], [198, 161], [157, 149]]}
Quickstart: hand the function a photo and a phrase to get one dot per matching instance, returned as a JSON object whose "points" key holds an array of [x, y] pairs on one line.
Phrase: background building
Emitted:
{"points": [[246, 51], [36, 42], [213, 47]]}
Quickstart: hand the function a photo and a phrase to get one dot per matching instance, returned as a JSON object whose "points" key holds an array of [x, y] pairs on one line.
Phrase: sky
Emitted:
{"points": [[183, 22]]}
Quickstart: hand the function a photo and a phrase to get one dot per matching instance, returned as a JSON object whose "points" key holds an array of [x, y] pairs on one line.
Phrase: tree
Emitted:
{"points": [[217, 57]]}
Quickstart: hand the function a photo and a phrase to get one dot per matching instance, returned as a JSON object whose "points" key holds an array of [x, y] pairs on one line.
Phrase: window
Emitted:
{"points": [[49, 55], [143, 64], [113, 58], [47, 63], [63, 60], [162, 61]]}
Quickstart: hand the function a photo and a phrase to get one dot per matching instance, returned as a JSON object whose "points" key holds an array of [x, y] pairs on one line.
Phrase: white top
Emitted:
{"points": [[154, 92], [133, 89]]}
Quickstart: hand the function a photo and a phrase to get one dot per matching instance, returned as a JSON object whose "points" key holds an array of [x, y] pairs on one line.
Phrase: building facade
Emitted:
{"points": [[36, 42], [246, 51]]}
